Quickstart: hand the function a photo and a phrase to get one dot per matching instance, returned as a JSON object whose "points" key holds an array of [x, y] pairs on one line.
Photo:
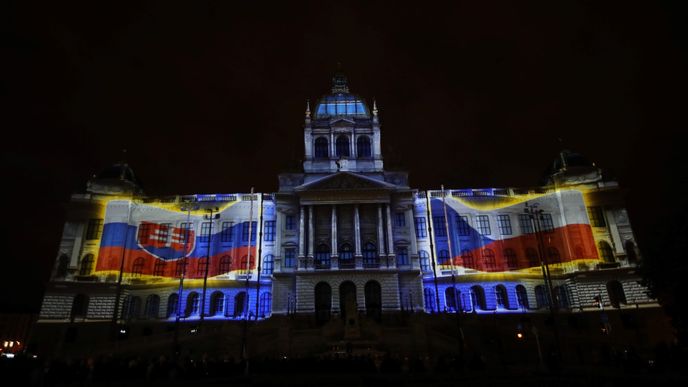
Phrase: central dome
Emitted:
{"points": [[340, 102]]}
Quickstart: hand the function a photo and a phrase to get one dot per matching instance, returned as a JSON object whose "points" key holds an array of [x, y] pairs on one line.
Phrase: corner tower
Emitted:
{"points": [[342, 134]]}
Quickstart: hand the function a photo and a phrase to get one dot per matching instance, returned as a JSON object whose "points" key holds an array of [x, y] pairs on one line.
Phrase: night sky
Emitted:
{"points": [[210, 99]]}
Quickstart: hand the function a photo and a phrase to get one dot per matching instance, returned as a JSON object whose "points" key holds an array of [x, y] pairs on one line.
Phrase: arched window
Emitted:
{"points": [[268, 262], [363, 147], [86, 266], [478, 298], [244, 263], [172, 305], [346, 257], [451, 296], [373, 300], [192, 304], [217, 303], [522, 297], [322, 257], [321, 151], [443, 257], [616, 293], [202, 267], [511, 260], [62, 266], [370, 258], [533, 257], [132, 308], [563, 298], [240, 305], [631, 254], [402, 256], [225, 264], [180, 268], [541, 297], [159, 268], [467, 258], [429, 297], [79, 307], [501, 297], [553, 255], [606, 252], [342, 146], [490, 261], [265, 304], [424, 261], [323, 302], [137, 267], [152, 307]]}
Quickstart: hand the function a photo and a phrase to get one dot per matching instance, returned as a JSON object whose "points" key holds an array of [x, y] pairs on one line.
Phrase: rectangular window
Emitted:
{"points": [[463, 226], [289, 257], [438, 224], [269, 231], [226, 233], [402, 256], [144, 233], [421, 231], [400, 219], [205, 232], [244, 231], [164, 233], [526, 224], [596, 217], [186, 231], [504, 224], [546, 222], [289, 223], [483, 223], [94, 229]]}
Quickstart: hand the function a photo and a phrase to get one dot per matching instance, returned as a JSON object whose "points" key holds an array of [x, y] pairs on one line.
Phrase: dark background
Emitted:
{"points": [[209, 98]]}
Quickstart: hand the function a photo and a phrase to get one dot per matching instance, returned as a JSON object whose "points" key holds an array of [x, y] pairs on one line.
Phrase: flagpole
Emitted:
{"points": [[260, 252], [457, 303], [207, 261], [121, 268], [244, 338], [428, 210], [186, 231]]}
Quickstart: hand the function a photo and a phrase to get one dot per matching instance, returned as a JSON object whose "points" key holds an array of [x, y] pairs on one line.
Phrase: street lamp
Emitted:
{"points": [[186, 231]]}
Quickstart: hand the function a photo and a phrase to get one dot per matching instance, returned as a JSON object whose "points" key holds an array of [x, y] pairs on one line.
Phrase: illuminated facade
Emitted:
{"points": [[344, 238]]}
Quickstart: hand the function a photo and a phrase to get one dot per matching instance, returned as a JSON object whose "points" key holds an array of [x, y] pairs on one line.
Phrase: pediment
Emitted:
{"points": [[345, 181], [342, 122]]}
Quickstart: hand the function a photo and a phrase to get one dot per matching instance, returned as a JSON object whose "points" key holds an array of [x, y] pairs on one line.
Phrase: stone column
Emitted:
{"points": [[279, 217], [357, 231], [311, 237], [391, 262], [302, 238], [380, 232], [410, 226], [334, 254]]}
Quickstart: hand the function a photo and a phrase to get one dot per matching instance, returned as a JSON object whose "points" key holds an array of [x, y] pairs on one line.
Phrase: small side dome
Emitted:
{"points": [[572, 168], [113, 180], [341, 102]]}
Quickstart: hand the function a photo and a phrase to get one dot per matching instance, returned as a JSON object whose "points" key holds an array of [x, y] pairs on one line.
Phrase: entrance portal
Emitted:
{"points": [[349, 309]]}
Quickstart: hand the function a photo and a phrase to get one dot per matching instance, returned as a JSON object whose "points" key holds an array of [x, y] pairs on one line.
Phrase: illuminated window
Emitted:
{"points": [[192, 304], [225, 264], [501, 297], [463, 226], [541, 298], [533, 257], [322, 257], [187, 228], [137, 267], [483, 223], [400, 219], [402, 256], [429, 297], [268, 262], [159, 268], [490, 261], [553, 255], [478, 298], [370, 257], [244, 231], [321, 150], [510, 256], [450, 296], [172, 305], [205, 232], [226, 233], [342, 146], [269, 230], [202, 267], [526, 224], [246, 266], [144, 233], [421, 231], [265, 304], [424, 261], [346, 257], [467, 258], [217, 303], [440, 227], [289, 257], [504, 223], [606, 252], [522, 297], [164, 233], [86, 266], [289, 223], [546, 223], [94, 229], [443, 257], [180, 268], [596, 217], [363, 147], [240, 304]]}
